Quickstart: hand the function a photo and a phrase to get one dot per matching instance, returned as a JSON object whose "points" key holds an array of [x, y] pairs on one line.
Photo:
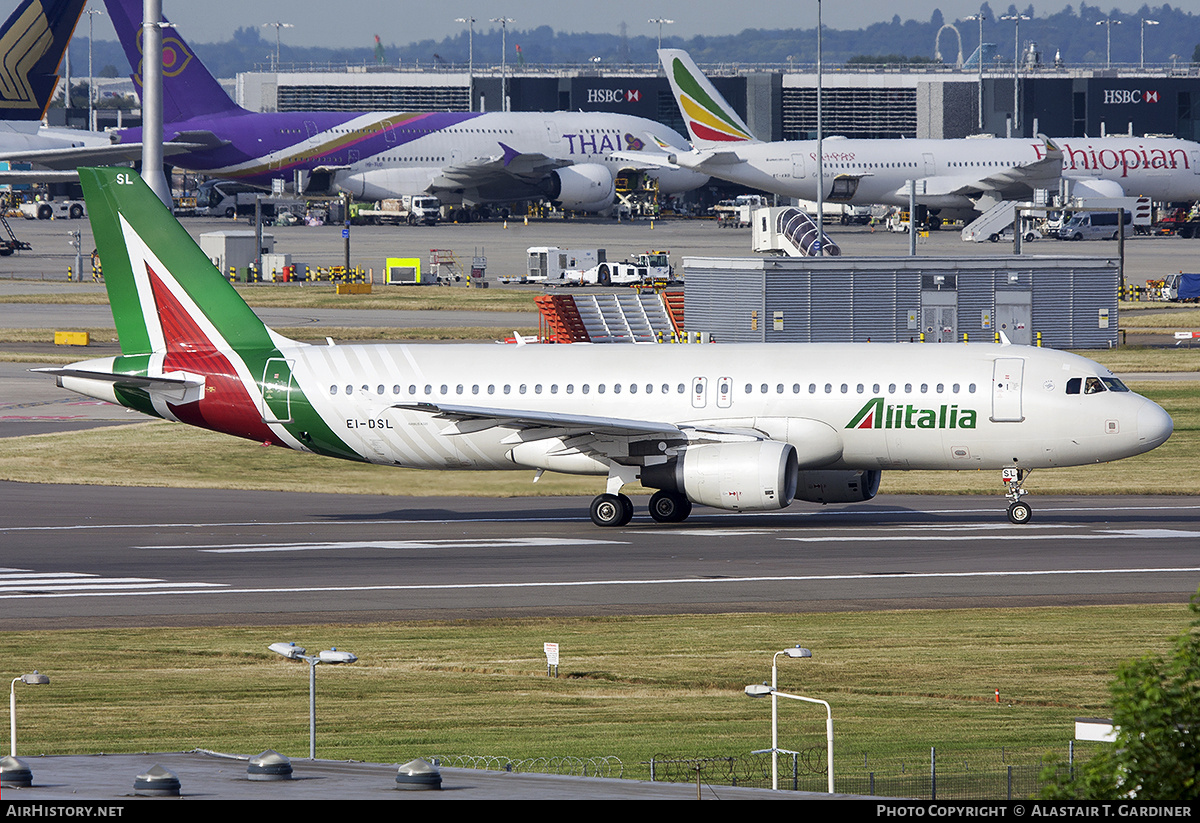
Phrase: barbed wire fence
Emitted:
{"points": [[936, 774]]}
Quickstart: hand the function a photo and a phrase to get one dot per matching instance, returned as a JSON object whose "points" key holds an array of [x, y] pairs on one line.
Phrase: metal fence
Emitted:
{"points": [[936, 774]]}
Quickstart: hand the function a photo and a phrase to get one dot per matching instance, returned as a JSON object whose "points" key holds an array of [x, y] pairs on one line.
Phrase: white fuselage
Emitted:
{"points": [[854, 406], [953, 173], [471, 158]]}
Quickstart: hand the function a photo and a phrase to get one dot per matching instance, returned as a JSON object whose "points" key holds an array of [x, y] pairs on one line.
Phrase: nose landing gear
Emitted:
{"points": [[1018, 511]]}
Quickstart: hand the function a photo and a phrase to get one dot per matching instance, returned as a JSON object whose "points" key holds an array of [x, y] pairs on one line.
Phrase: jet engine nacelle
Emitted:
{"points": [[1086, 188], [583, 187], [752, 476], [838, 486]]}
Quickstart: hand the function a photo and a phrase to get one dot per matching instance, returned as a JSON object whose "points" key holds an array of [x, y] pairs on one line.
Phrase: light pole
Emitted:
{"points": [[470, 21], [503, 21], [820, 149], [91, 91], [980, 17], [278, 26], [1016, 18], [332, 657], [794, 652], [35, 679], [661, 22], [755, 690], [1108, 23], [1142, 52]]}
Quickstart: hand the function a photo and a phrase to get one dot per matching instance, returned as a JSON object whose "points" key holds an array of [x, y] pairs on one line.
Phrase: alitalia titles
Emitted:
{"points": [[876, 414]]}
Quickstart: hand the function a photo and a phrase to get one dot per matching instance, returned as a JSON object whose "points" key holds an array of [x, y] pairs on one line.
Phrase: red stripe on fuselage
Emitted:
{"points": [[706, 133], [226, 406]]}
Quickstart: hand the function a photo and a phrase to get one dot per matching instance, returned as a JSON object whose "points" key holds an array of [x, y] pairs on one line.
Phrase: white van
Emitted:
{"points": [[1095, 225]]}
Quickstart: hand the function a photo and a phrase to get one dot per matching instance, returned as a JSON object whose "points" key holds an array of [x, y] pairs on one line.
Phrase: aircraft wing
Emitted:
{"points": [[70, 158], [510, 164], [1012, 182], [467, 419]]}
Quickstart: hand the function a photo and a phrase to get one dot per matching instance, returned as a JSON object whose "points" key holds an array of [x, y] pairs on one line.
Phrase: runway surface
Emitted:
{"points": [[98, 556]]}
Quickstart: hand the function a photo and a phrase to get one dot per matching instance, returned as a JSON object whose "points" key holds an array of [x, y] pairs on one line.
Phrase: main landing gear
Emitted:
{"points": [[612, 510], [1018, 512], [617, 509]]}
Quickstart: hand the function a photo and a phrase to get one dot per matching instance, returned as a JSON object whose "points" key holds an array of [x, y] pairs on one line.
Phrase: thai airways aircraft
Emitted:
{"points": [[736, 427], [460, 157], [32, 43], [953, 177]]}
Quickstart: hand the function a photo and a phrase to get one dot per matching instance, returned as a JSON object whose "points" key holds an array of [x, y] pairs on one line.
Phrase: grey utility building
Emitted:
{"points": [[1060, 302]]}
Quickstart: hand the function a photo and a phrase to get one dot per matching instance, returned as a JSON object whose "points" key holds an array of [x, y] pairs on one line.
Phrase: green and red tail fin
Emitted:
{"points": [[164, 292], [711, 121]]}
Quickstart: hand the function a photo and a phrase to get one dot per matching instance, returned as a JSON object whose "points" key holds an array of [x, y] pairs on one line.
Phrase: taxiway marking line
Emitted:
{"points": [[687, 581]]}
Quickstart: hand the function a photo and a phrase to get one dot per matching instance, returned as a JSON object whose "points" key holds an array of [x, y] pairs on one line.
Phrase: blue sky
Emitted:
{"points": [[355, 22]]}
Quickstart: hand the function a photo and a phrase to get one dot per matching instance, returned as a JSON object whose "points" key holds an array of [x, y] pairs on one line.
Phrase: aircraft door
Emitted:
{"points": [[276, 391], [1007, 374], [699, 392], [930, 165], [552, 134], [724, 392], [797, 166]]}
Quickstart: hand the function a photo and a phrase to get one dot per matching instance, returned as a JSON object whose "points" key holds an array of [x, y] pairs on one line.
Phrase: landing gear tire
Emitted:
{"points": [[612, 510], [1019, 513], [669, 507]]}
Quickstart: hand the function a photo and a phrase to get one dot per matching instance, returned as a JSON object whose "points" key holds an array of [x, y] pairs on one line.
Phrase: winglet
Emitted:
{"points": [[510, 154], [710, 120]]}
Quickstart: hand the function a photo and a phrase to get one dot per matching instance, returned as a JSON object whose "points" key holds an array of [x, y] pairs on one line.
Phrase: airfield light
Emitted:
{"points": [[470, 21], [662, 21], [1016, 18], [330, 656], [980, 17], [503, 21], [1142, 51], [1108, 23], [278, 26], [91, 83], [763, 690], [35, 679]]}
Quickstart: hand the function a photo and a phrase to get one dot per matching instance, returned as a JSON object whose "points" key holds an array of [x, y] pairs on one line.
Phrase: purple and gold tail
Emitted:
{"points": [[189, 90]]}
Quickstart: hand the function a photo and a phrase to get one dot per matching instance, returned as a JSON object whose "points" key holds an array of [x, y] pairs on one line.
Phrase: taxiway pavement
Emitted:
{"points": [[73, 556]]}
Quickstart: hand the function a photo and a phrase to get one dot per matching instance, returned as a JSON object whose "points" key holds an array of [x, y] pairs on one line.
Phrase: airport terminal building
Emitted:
{"points": [[777, 102]]}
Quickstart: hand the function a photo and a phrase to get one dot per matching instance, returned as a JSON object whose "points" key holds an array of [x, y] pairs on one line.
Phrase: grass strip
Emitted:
{"points": [[634, 687]]}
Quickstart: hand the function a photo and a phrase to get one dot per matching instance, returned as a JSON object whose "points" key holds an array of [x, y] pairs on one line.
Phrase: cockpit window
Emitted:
{"points": [[1093, 385], [1114, 384], [1074, 385]]}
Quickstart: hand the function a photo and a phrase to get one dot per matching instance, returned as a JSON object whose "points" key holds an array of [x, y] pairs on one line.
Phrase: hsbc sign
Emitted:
{"points": [[614, 95], [1125, 96]]}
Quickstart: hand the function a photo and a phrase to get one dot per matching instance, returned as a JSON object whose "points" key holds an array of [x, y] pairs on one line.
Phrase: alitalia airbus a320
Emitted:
{"points": [[735, 427]]}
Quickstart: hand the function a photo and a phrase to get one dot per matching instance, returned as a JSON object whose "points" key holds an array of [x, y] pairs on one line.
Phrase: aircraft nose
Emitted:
{"points": [[1154, 425]]}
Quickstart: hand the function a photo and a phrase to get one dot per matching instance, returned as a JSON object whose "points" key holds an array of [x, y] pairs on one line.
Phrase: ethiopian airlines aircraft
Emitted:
{"points": [[953, 177], [740, 427], [467, 158]]}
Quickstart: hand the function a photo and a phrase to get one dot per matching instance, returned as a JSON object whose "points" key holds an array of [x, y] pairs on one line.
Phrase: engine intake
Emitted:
{"points": [[583, 187]]}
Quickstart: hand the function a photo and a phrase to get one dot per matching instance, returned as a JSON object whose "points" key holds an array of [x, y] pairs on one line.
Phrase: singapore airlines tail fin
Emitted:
{"points": [[711, 121], [166, 295], [189, 90], [32, 43]]}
